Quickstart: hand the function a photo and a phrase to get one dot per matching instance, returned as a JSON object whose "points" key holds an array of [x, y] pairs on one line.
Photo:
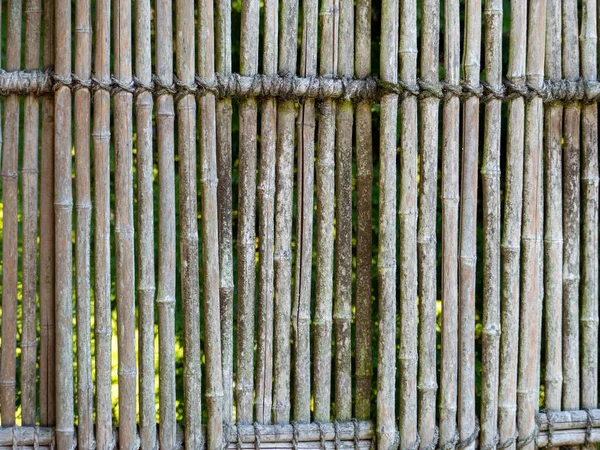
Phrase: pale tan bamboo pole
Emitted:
{"points": [[426, 237], [10, 225], [342, 307], [210, 232], [528, 376], [124, 242], [188, 192], [83, 219], [146, 288], [450, 198], [266, 208], [490, 179], [589, 213], [102, 218], [165, 297], [468, 229], [386, 264], [407, 218], [224, 197], [33, 15], [246, 241], [304, 219], [63, 201], [282, 256], [364, 233], [553, 226], [571, 212], [511, 238], [47, 328]]}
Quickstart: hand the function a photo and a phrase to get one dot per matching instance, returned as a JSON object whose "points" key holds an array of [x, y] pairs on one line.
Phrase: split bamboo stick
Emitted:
{"points": [[283, 217], [224, 197], [165, 298], [33, 15], [124, 242], [266, 221], [83, 223], [10, 225], [102, 216], [571, 212], [342, 307], [246, 241], [364, 233], [210, 233], [426, 237], [386, 264], [324, 235]]}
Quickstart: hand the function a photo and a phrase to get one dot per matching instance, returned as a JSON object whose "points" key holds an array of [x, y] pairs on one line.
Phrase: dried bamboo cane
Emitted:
{"points": [[63, 201], [210, 232], [283, 217], [33, 15], [246, 241], [190, 283], [589, 210], [102, 253], [364, 234], [490, 175], [146, 288], [571, 213], [10, 225], [266, 202], [224, 197], [165, 298], [124, 243], [386, 264], [324, 235], [426, 238], [304, 219], [553, 233], [511, 248], [342, 307], [83, 219], [528, 376]]}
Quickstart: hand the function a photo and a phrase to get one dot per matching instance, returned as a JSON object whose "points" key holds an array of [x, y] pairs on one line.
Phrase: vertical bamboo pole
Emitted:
{"points": [[386, 264], [342, 307], [283, 216], [102, 216], [490, 175], [186, 110], [527, 389], [571, 213], [426, 238], [33, 15], [364, 234], [511, 248], [589, 210], [146, 288], [224, 197], [10, 225], [553, 233], [246, 241], [63, 198], [266, 203], [304, 219], [165, 299], [324, 236], [83, 219], [210, 233], [124, 243], [47, 398]]}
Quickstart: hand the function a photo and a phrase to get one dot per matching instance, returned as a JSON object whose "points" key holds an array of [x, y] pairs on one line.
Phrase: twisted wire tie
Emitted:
{"points": [[336, 436], [294, 436], [470, 439], [257, 442], [356, 433], [510, 441], [589, 427], [238, 444], [321, 436]]}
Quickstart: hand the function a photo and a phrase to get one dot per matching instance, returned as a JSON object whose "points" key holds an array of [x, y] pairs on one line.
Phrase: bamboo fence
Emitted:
{"points": [[223, 227]]}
